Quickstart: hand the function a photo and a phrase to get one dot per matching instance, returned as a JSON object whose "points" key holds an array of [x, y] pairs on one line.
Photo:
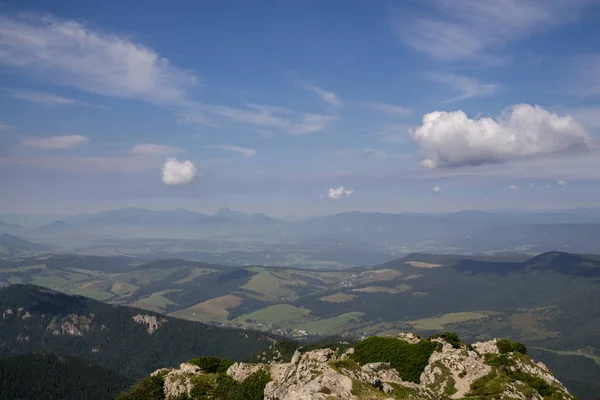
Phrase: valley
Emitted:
{"points": [[536, 301]]}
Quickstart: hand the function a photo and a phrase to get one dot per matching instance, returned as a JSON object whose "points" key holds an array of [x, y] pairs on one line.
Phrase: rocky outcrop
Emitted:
{"points": [[308, 376], [72, 324], [325, 374], [178, 381], [150, 320], [241, 371]]}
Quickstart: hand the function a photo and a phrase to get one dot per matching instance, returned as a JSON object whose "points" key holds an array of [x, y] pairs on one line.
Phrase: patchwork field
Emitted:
{"points": [[210, 310]]}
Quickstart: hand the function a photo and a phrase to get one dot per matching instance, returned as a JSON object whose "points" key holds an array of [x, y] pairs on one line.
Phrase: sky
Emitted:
{"points": [[299, 107]]}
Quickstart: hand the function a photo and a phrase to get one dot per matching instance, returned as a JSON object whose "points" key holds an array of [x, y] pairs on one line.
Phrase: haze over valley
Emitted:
{"points": [[300, 200]]}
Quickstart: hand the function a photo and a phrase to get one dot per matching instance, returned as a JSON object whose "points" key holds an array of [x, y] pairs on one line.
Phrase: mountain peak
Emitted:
{"points": [[376, 367]]}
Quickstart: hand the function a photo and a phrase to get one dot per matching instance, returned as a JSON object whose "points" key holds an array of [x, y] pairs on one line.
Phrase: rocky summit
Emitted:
{"points": [[402, 367]]}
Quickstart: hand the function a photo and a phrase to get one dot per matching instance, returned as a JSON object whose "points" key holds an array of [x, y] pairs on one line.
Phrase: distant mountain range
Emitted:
{"points": [[469, 231]]}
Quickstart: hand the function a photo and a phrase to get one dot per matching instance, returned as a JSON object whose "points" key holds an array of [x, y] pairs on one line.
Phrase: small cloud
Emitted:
{"points": [[176, 172], [531, 184], [56, 142], [150, 149], [246, 152], [48, 99], [339, 193], [451, 139], [326, 96], [561, 183], [513, 187], [436, 189], [389, 109]]}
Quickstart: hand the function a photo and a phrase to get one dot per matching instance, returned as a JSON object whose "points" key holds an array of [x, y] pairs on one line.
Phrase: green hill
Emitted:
{"points": [[130, 341]]}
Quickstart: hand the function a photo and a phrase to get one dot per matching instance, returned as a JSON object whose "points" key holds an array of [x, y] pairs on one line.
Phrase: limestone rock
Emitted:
{"points": [[150, 320], [240, 371]]}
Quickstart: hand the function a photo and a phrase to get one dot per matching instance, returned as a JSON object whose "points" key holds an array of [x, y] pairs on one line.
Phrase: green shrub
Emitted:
{"points": [[212, 365], [408, 359], [498, 360], [508, 346], [253, 387], [149, 388], [346, 363], [449, 337]]}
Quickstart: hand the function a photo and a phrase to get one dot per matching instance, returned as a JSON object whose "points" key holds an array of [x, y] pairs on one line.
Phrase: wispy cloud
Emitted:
{"points": [[246, 152], [469, 87], [454, 29], [55, 142], [325, 95], [151, 149], [361, 153], [68, 52], [389, 109], [513, 187], [586, 75], [49, 99], [561, 182], [394, 133], [436, 189], [275, 118]]}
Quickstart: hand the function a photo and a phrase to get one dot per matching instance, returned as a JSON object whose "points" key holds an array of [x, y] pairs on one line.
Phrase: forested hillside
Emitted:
{"points": [[47, 376], [130, 341]]}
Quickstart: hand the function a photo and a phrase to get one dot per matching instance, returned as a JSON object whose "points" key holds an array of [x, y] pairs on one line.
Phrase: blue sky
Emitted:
{"points": [[299, 107]]}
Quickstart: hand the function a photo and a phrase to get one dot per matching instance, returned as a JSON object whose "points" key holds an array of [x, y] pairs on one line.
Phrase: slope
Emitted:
{"points": [[128, 340], [46, 376]]}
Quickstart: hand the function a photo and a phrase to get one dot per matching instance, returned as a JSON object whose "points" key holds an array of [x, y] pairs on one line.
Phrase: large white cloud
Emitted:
{"points": [[451, 139], [175, 172]]}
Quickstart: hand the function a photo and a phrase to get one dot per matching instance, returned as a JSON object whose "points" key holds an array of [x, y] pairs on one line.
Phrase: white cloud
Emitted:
{"points": [[469, 87], [42, 98], [275, 118], [436, 189], [246, 152], [464, 28], [513, 187], [176, 172], [55, 142], [326, 96], [561, 182], [451, 139], [70, 53], [338, 193], [150, 149], [389, 109]]}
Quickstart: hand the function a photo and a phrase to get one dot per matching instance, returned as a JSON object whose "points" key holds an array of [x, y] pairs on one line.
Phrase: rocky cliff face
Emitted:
{"points": [[451, 370]]}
